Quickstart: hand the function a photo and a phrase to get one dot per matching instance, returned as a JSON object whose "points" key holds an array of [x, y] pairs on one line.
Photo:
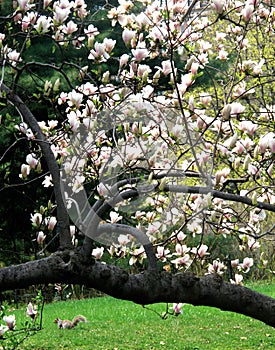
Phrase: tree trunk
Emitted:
{"points": [[143, 288]]}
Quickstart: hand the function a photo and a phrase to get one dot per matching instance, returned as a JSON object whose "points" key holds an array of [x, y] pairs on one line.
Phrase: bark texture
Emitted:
{"points": [[143, 288]]}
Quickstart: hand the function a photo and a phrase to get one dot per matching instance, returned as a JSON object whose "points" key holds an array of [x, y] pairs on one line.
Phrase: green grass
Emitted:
{"points": [[116, 324]]}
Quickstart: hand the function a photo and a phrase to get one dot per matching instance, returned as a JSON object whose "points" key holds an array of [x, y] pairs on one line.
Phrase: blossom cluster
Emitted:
{"points": [[191, 132]]}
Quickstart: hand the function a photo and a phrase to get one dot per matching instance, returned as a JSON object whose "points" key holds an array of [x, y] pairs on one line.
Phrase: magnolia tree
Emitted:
{"points": [[158, 143]]}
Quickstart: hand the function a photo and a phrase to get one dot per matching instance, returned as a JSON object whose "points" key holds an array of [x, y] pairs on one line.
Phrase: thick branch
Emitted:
{"points": [[62, 215], [144, 288]]}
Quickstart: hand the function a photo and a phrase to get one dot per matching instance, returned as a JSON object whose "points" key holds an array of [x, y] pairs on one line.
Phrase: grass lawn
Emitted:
{"points": [[115, 324]]}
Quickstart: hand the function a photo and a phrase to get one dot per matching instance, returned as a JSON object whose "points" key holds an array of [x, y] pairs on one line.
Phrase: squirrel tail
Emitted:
{"points": [[78, 319]]}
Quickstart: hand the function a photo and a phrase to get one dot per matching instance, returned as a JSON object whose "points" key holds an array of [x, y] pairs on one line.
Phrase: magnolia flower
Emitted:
{"points": [[140, 54], [184, 260], [73, 120], [25, 171], [238, 279], [123, 240], [252, 243], [32, 161], [236, 108], [137, 255], [10, 321], [195, 226], [223, 55], [162, 253], [72, 230], [128, 35], [123, 60], [40, 237], [109, 44], [246, 264], [47, 182], [247, 12], [31, 311], [202, 250], [217, 267], [36, 219], [219, 6], [99, 53], [61, 14], [23, 5], [70, 28], [43, 24], [115, 217], [98, 252], [235, 263], [51, 222], [3, 330], [177, 308], [75, 99]]}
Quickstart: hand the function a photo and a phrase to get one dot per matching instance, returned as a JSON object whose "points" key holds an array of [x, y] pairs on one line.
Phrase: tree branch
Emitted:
{"points": [[147, 287], [62, 215]]}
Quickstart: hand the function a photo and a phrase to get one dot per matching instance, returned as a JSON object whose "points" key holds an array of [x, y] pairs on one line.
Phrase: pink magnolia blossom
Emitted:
{"points": [[36, 219], [61, 14], [248, 127], [43, 24], [177, 308], [236, 108], [75, 99], [40, 237], [109, 44], [14, 57], [162, 253], [70, 28], [219, 6], [115, 217], [223, 55], [46, 3], [252, 169], [235, 263], [25, 171], [32, 161], [10, 321], [194, 68], [128, 35], [252, 243], [201, 251], [73, 120], [31, 311], [99, 53], [140, 54], [24, 5], [246, 264], [51, 222], [247, 12], [217, 267], [28, 20], [137, 256], [3, 330], [182, 261], [98, 252], [123, 60], [123, 240], [205, 98], [237, 279]]}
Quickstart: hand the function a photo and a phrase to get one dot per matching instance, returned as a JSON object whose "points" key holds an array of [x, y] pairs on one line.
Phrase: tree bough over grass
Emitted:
{"points": [[160, 153]]}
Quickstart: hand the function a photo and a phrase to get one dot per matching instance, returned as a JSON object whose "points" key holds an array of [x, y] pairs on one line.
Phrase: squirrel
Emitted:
{"points": [[69, 324]]}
